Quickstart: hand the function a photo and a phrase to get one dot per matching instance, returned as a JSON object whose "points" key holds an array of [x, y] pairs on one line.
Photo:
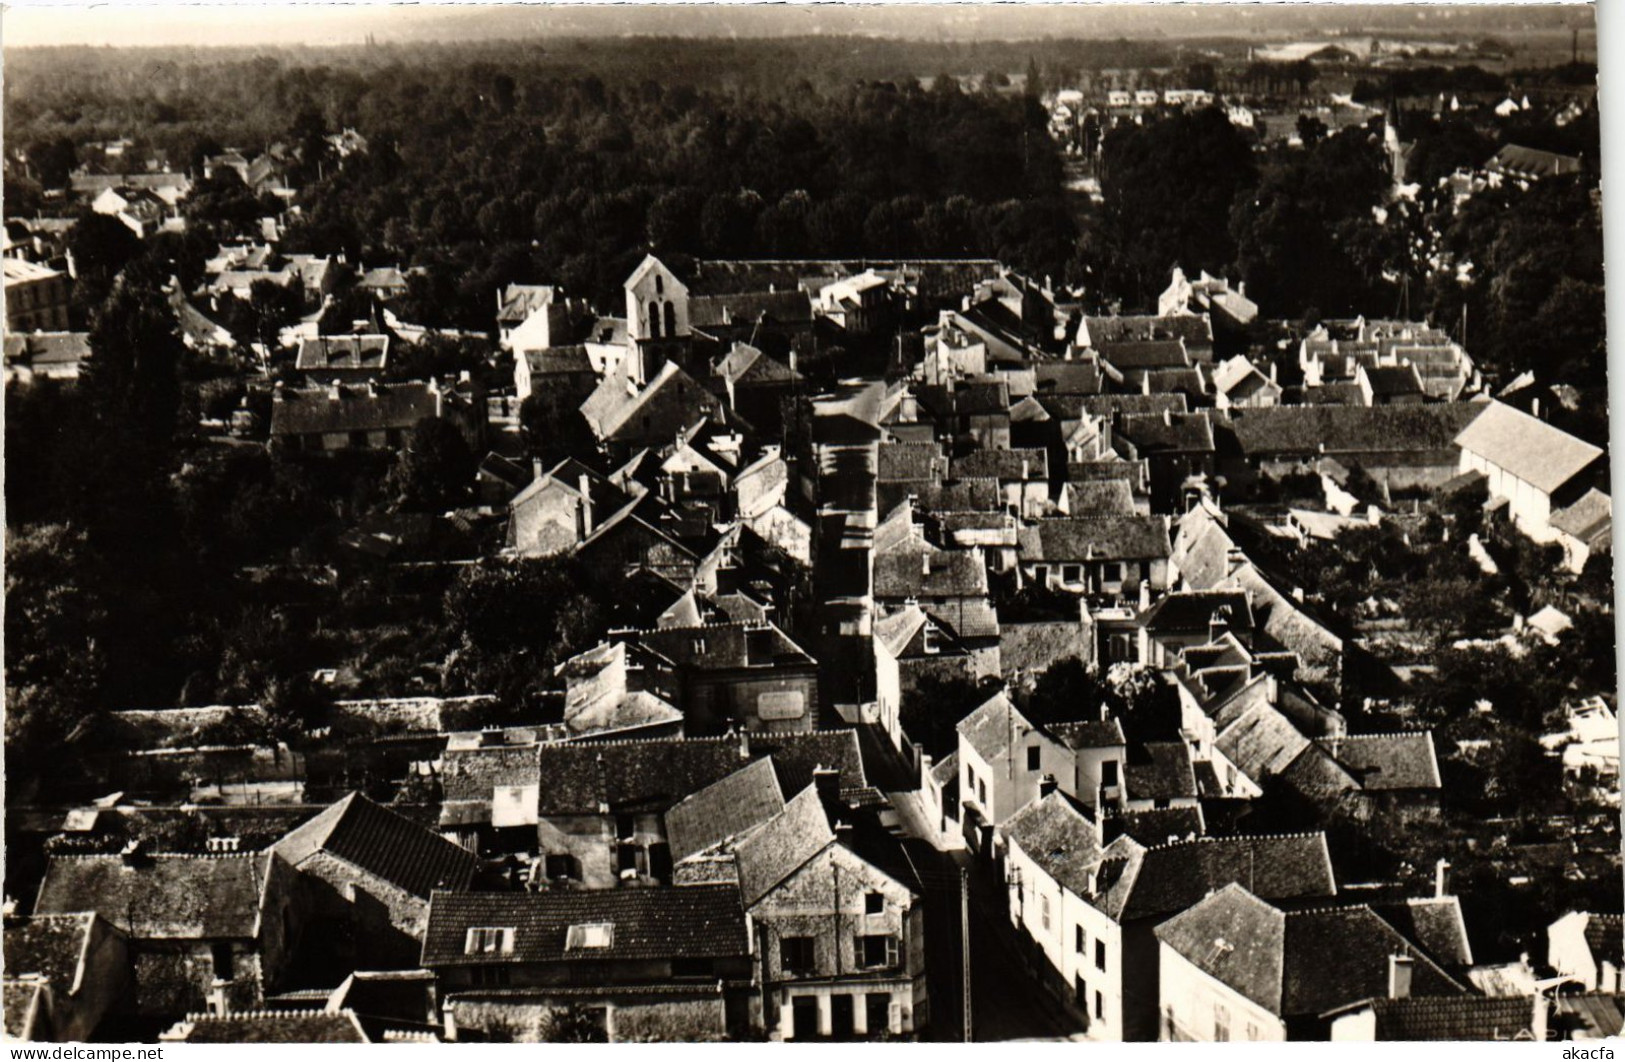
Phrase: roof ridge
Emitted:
{"points": [[719, 739], [1233, 837], [1332, 909], [1378, 733]]}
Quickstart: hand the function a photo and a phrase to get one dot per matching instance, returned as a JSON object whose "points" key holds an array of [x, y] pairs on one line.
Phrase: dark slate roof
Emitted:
{"points": [[382, 843], [783, 845], [629, 776], [953, 573], [797, 756], [272, 1027], [723, 809], [1350, 429], [721, 646], [1159, 770], [1392, 380], [1080, 538], [50, 946], [1156, 826], [744, 308], [1057, 836], [24, 1002], [1194, 610], [1003, 464], [1192, 328], [551, 361], [1035, 646], [1102, 496], [1434, 923], [1453, 1018], [910, 462], [47, 348], [1128, 405], [993, 726], [1153, 433], [315, 411], [1589, 518], [343, 352], [1172, 877], [1145, 354], [161, 897], [1088, 733], [1297, 963], [1387, 761], [1067, 377], [692, 922], [1532, 162], [1605, 936]]}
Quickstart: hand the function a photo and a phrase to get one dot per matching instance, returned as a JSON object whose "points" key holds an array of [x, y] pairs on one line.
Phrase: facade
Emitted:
{"points": [[1535, 467], [36, 297]]}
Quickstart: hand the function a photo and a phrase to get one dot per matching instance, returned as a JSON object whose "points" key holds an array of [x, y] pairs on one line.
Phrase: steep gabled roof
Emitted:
{"points": [[1057, 836], [162, 897], [1086, 538], [783, 845], [1537, 453], [1387, 761], [1172, 877], [726, 808], [382, 843], [993, 727], [52, 946]]}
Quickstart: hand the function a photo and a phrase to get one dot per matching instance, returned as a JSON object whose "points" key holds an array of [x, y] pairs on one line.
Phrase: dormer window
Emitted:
{"points": [[590, 936], [489, 941]]}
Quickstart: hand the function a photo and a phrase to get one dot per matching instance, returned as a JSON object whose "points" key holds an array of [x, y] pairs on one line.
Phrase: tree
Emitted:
{"points": [[101, 246], [295, 704], [435, 467], [932, 710], [51, 160], [1066, 691]]}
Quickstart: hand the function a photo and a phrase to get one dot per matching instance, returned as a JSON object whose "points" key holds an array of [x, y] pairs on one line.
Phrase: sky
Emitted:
{"points": [[47, 22]]}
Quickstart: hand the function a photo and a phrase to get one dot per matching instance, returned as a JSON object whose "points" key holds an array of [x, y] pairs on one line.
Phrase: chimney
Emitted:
{"points": [[537, 469], [744, 745], [1167, 415], [584, 485], [1145, 387], [1233, 558], [925, 564], [1399, 976], [827, 780], [1439, 871], [1046, 786], [1145, 594]]}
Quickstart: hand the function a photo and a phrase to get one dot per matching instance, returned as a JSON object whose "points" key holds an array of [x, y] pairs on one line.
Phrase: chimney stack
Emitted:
{"points": [[1399, 976], [744, 745], [584, 485], [1046, 786], [1439, 870], [827, 780], [537, 469]]}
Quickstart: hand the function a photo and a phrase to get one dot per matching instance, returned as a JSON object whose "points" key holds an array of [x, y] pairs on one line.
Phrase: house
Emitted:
{"points": [[620, 690], [840, 921], [1454, 1018], [1536, 468], [1237, 382], [737, 676], [909, 645], [1584, 528], [1022, 474], [45, 356], [1588, 947], [1235, 967], [756, 384], [1185, 618], [1404, 447], [743, 315], [343, 359], [1087, 905], [1174, 446], [374, 417], [383, 283], [269, 1027], [621, 412], [554, 370], [643, 964], [63, 974], [1103, 556], [170, 187], [705, 827], [860, 304], [1390, 385], [657, 303], [203, 930], [529, 307], [1525, 165], [1193, 330], [36, 297], [369, 871], [561, 509]]}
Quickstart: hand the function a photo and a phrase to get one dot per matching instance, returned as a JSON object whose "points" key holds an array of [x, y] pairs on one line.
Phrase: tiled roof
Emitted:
{"points": [[1433, 922], [725, 808], [315, 411], [550, 361], [1172, 877], [1532, 162], [724, 646], [1128, 405], [692, 922], [630, 776], [47, 348], [952, 573], [1088, 733], [382, 843], [343, 352], [167, 897], [1057, 836], [1159, 770], [1587, 519], [1067, 377], [1453, 1018], [1605, 936], [911, 463], [1387, 761], [1156, 826], [1195, 610], [1083, 538], [1350, 429], [783, 845], [1099, 497], [1145, 354], [993, 726], [519, 301], [1537, 453], [1035, 646], [271, 1027], [1192, 328], [24, 1002], [1003, 464], [50, 945], [1391, 380], [968, 495], [796, 756], [745, 308], [1296, 963], [1151, 433]]}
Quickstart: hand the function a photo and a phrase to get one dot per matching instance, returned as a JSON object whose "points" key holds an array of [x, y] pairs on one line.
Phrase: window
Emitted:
{"points": [[1071, 573], [671, 319], [1252, 1031], [561, 867], [876, 950], [1221, 1022], [654, 320], [796, 954], [877, 1008], [1100, 954], [224, 968], [981, 792], [1043, 910], [1100, 1006], [660, 284], [1032, 758], [1081, 990], [874, 903], [1041, 573], [1111, 573], [1080, 942], [490, 976], [488, 941], [625, 827], [589, 936], [1108, 773]]}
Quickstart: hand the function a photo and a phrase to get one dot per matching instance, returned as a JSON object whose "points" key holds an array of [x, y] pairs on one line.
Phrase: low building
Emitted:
{"points": [[1536, 468], [63, 974], [375, 417], [343, 359], [643, 964], [1101, 556], [45, 356], [1590, 948]]}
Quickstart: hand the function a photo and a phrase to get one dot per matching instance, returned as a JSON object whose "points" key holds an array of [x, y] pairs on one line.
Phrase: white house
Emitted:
{"points": [[1527, 462], [1588, 946]]}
